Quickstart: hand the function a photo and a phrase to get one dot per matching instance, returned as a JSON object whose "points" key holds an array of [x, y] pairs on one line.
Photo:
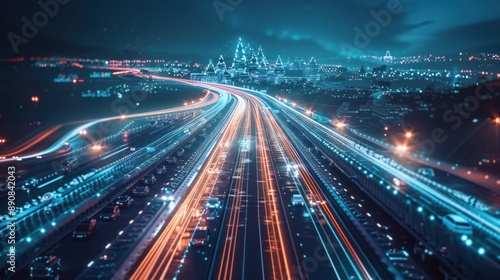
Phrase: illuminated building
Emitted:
{"points": [[388, 57]]}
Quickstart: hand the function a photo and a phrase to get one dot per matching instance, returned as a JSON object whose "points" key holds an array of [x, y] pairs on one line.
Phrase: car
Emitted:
{"points": [[46, 267], [111, 212], [171, 160], [297, 200], [213, 202], [124, 201], [85, 229], [149, 179], [162, 169], [141, 191], [201, 236], [457, 224], [31, 182], [426, 171], [168, 194], [212, 214], [397, 255]]}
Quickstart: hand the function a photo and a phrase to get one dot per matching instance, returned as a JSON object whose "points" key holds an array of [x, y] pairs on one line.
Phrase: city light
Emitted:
{"points": [[408, 134], [401, 148], [96, 147], [481, 251], [83, 132]]}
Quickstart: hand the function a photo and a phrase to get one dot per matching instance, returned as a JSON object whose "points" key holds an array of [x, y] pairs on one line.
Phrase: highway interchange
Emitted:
{"points": [[258, 156]]}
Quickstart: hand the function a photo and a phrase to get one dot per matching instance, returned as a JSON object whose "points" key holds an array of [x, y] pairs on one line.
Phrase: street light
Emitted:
{"points": [[408, 134]]}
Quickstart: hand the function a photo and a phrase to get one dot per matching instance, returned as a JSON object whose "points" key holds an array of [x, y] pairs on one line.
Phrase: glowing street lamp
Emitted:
{"points": [[401, 148], [408, 134]]}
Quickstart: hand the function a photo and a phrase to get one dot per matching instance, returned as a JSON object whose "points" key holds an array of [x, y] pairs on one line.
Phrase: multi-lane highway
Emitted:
{"points": [[253, 201]]}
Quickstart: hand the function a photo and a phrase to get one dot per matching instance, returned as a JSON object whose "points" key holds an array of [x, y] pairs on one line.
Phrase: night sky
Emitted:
{"points": [[290, 28]]}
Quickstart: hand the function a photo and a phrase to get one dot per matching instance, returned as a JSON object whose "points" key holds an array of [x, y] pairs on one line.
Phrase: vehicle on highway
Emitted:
{"points": [[297, 199], [171, 160], [426, 171], [31, 182], [397, 255], [168, 194], [201, 237], [85, 229], [45, 267], [162, 169], [68, 165], [141, 191], [457, 224], [213, 202], [111, 212], [180, 152], [149, 179], [124, 201], [212, 214], [188, 146]]}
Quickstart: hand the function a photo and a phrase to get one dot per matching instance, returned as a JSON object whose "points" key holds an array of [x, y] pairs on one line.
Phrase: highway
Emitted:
{"points": [[54, 204], [254, 200], [256, 211]]}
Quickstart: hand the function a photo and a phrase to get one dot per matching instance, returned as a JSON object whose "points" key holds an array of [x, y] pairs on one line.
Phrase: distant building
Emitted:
{"points": [[240, 60], [221, 65], [312, 70], [388, 57], [279, 70], [379, 70]]}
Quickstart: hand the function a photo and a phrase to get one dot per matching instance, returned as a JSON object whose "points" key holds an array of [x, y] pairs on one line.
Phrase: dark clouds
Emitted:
{"points": [[291, 28]]}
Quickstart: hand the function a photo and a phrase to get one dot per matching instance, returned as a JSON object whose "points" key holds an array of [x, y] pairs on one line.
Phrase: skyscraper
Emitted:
{"points": [[240, 59], [279, 70]]}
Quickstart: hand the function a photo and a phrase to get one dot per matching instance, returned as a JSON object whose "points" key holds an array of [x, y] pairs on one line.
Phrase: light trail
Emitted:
{"points": [[49, 182], [350, 253], [209, 99], [158, 260]]}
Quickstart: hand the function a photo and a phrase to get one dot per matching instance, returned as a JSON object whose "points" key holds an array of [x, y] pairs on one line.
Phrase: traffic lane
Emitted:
{"points": [[75, 254], [315, 262], [198, 258], [382, 228], [73, 264], [84, 168]]}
